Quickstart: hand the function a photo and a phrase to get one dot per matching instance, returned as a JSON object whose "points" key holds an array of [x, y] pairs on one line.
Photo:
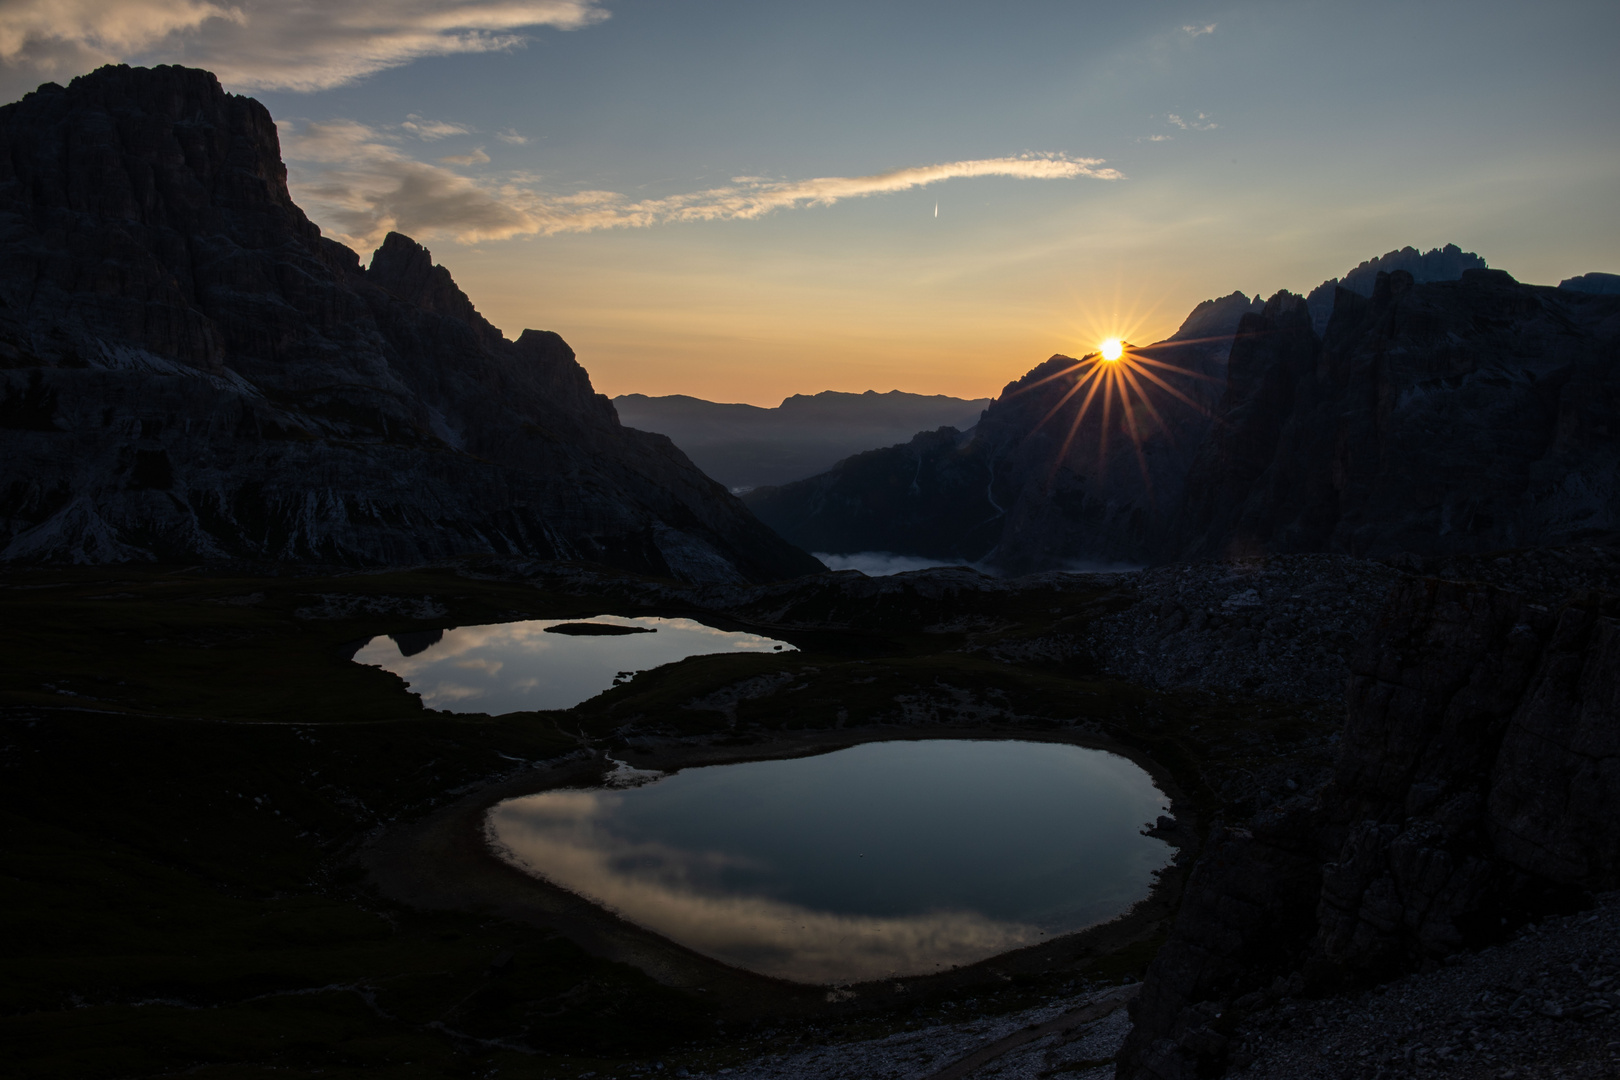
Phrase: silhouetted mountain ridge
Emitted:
{"points": [[746, 446], [189, 370], [1471, 414]]}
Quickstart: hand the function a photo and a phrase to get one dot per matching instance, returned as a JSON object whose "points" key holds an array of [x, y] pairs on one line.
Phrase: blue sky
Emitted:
{"points": [[738, 200]]}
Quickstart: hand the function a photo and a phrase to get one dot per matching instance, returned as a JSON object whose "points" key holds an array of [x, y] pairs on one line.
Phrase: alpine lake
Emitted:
{"points": [[887, 822], [887, 859]]}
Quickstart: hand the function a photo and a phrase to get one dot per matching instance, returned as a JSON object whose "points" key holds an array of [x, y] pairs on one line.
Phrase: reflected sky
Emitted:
{"points": [[886, 859], [509, 667]]}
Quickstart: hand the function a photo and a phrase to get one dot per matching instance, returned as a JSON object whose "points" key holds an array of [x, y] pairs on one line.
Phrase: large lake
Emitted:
{"points": [[886, 859], [516, 666]]}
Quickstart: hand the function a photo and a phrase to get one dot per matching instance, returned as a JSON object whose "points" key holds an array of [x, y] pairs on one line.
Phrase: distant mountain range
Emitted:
{"points": [[190, 371], [1467, 412], [747, 446]]}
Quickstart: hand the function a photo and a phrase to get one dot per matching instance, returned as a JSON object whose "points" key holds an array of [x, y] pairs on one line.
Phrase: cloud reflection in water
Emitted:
{"points": [[508, 667], [887, 859], [559, 835]]}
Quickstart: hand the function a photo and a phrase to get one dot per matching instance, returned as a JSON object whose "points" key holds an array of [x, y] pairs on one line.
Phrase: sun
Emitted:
{"points": [[1112, 348]]}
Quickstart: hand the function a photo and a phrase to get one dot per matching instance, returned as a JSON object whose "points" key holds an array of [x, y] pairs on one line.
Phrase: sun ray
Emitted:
{"points": [[1107, 415], [1079, 415], [1172, 390], [1141, 358], [1147, 402], [1073, 390], [1076, 366]]}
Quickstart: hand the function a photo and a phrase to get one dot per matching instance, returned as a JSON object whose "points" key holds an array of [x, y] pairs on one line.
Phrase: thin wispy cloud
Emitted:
{"points": [[476, 157], [1154, 138], [1200, 122], [511, 138], [431, 130], [299, 45], [1199, 31], [358, 184]]}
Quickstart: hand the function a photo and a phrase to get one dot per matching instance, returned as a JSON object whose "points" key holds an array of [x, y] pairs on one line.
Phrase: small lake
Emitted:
{"points": [[544, 663], [886, 859]]}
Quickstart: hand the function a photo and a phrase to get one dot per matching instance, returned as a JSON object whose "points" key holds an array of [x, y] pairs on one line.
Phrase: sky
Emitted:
{"points": [[742, 201]]}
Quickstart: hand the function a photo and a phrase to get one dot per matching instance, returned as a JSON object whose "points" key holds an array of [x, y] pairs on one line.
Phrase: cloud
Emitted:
{"points": [[359, 184], [511, 137], [477, 157], [299, 45], [1200, 31], [1154, 138], [429, 130], [1201, 122]]}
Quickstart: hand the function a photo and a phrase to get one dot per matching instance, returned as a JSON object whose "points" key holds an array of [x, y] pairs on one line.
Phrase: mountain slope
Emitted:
{"points": [[1035, 485], [191, 371]]}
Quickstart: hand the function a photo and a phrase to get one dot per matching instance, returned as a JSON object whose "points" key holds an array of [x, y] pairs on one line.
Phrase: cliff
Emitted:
{"points": [[188, 370], [1459, 416]]}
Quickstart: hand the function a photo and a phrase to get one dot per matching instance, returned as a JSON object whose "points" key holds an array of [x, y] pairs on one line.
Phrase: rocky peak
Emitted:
{"points": [[1217, 318], [1437, 264], [406, 269]]}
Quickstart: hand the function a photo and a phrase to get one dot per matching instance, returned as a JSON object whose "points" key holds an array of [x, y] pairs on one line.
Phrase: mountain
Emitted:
{"points": [[1454, 416], [1436, 264], [1034, 485], [746, 446], [190, 371], [1450, 416], [1602, 284]]}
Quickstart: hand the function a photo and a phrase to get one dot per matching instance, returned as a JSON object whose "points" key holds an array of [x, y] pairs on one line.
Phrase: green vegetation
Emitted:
{"points": [[189, 764]]}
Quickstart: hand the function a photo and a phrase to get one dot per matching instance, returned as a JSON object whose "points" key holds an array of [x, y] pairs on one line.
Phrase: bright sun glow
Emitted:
{"points": [[1112, 349]]}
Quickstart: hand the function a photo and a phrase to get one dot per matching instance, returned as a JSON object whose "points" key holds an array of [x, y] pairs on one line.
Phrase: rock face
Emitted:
{"points": [[1464, 416], [1051, 475], [188, 370], [1476, 784]]}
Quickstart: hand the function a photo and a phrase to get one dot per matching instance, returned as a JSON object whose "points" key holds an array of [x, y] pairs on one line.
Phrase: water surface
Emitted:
{"points": [[510, 667], [897, 858]]}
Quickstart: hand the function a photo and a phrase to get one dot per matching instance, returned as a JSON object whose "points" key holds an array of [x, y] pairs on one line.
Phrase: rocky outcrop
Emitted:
{"points": [[1052, 475], [1476, 785], [189, 370]]}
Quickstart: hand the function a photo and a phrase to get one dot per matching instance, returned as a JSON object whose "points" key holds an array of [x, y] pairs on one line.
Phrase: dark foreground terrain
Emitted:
{"points": [[232, 852], [210, 813]]}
